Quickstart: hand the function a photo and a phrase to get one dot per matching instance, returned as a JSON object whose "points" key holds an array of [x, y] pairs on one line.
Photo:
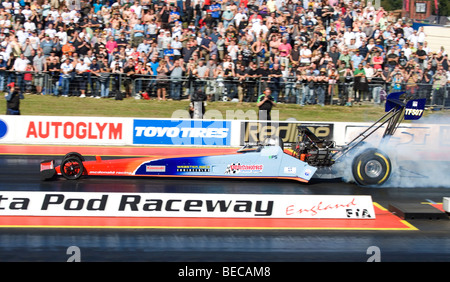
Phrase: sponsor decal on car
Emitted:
{"points": [[193, 168], [155, 168], [290, 169], [243, 168]]}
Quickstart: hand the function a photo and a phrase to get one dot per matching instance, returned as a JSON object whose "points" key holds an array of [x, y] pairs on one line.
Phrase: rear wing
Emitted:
{"points": [[398, 107]]}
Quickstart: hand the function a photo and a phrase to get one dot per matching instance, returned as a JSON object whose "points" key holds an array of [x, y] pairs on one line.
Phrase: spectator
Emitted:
{"points": [[252, 75], [93, 74], [345, 79], [227, 17], [104, 78], [66, 75], [275, 76], [20, 65], [129, 71], [439, 84], [68, 49], [346, 58], [176, 75], [54, 70], [378, 81], [305, 55], [241, 75], [40, 67], [162, 80], [47, 45], [357, 59], [298, 35], [138, 33], [265, 104], [13, 100], [361, 85], [28, 78], [197, 106], [81, 70], [411, 78], [321, 86], [397, 80], [3, 74]]}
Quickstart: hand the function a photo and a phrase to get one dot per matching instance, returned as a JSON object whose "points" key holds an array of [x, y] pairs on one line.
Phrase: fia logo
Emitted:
{"points": [[358, 213]]}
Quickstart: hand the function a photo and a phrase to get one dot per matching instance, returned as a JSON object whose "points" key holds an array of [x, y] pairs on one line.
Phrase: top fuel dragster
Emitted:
{"points": [[264, 160]]}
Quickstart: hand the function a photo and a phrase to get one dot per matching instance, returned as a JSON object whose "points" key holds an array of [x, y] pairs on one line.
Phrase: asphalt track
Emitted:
{"points": [[428, 241]]}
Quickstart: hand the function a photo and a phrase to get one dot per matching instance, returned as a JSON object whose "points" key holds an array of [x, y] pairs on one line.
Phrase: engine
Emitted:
{"points": [[312, 149]]}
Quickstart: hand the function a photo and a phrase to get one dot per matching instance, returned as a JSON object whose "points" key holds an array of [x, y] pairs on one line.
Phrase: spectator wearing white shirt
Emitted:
{"points": [[22, 35], [407, 50], [16, 6], [82, 76], [34, 40], [27, 12], [116, 62], [50, 31], [6, 24], [66, 16], [53, 15], [20, 65], [305, 55], [421, 35], [233, 50], [62, 35], [137, 9], [413, 39], [176, 46], [7, 5], [240, 16], [66, 71]]}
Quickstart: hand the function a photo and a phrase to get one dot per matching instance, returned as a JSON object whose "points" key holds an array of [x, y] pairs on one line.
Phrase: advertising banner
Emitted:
{"points": [[181, 132], [185, 205], [287, 131], [63, 130]]}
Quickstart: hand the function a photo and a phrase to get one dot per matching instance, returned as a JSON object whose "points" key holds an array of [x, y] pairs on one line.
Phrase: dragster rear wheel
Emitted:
{"points": [[371, 167], [72, 168]]}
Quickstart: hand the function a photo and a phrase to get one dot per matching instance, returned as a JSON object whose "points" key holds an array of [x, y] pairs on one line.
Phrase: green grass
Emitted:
{"points": [[74, 106]]}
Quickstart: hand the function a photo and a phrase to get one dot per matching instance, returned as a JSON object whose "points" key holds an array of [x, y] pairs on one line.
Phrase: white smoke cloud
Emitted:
{"points": [[419, 154], [423, 161]]}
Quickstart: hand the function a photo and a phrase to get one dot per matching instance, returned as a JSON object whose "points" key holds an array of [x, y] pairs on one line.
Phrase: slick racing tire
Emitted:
{"points": [[72, 168], [371, 167]]}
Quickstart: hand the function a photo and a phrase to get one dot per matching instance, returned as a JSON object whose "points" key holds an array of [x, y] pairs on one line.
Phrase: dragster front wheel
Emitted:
{"points": [[371, 167], [72, 168]]}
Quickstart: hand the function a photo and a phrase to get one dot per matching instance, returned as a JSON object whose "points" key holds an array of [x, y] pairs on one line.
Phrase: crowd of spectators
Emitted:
{"points": [[304, 51]]}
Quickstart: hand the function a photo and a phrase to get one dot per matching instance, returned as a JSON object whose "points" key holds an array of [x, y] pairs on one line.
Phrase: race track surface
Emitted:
{"points": [[428, 241]]}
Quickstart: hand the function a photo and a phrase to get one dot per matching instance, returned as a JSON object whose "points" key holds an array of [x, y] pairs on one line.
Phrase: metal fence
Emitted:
{"points": [[285, 90]]}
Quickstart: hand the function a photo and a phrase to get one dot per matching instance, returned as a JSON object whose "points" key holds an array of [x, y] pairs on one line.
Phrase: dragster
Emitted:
{"points": [[264, 160]]}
